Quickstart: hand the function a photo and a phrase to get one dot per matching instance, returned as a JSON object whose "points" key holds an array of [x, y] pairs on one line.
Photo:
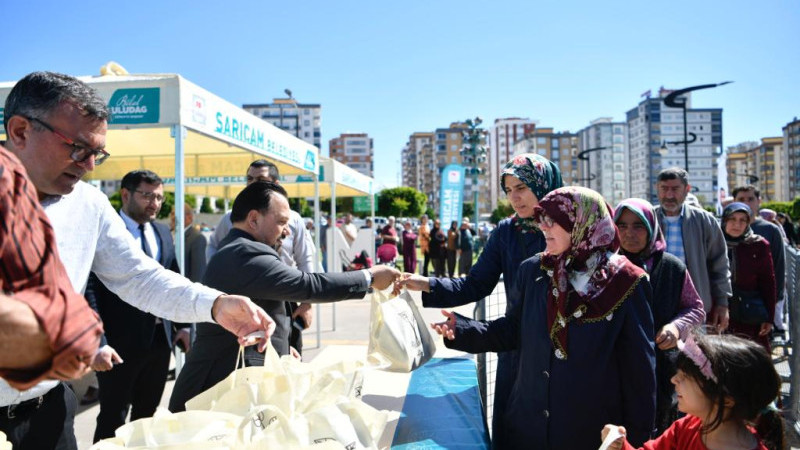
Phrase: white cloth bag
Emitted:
{"points": [[398, 333]]}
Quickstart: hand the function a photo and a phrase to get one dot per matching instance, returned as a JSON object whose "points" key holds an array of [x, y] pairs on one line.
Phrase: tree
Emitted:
{"points": [[467, 209], [401, 202], [205, 207], [220, 204], [502, 211]]}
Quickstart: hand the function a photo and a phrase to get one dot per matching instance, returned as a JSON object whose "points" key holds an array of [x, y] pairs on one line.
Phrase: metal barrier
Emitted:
{"points": [[793, 301], [489, 308]]}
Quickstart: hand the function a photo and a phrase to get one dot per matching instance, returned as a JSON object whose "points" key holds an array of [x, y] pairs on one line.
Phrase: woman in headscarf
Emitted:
{"points": [[525, 179], [752, 273], [677, 307], [584, 331]]}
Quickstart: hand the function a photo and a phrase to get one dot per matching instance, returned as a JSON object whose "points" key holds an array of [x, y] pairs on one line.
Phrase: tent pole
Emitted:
{"points": [[316, 244], [179, 134], [332, 229]]}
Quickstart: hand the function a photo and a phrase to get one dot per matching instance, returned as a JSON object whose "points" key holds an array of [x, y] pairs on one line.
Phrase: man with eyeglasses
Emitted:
{"points": [[143, 341], [56, 125]]}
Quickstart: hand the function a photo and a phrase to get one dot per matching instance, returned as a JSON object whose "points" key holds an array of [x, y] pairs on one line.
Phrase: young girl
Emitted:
{"points": [[725, 385]]}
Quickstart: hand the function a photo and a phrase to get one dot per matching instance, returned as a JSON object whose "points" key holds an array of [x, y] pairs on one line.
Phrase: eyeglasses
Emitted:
{"points": [[150, 196], [545, 220], [79, 152]]}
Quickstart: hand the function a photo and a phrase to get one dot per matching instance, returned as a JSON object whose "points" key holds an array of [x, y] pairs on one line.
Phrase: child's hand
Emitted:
{"points": [[448, 327], [613, 437]]}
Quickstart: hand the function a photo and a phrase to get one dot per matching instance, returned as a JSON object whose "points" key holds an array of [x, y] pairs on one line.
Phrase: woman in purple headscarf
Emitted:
{"points": [[583, 328], [677, 307]]}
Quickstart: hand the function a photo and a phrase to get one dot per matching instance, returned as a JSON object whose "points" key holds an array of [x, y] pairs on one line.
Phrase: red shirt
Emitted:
{"points": [[684, 434], [31, 272]]}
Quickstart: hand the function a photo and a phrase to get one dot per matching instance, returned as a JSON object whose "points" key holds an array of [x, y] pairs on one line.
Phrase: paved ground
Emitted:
{"points": [[352, 327]]}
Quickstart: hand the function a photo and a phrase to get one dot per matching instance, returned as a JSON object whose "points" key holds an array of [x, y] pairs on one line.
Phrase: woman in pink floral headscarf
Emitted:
{"points": [[583, 329]]}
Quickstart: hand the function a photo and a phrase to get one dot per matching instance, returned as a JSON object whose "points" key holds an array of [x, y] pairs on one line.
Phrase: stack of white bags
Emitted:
{"points": [[286, 404]]}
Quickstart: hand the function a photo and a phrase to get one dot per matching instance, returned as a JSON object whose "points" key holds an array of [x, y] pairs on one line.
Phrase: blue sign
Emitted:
{"points": [[451, 194]]}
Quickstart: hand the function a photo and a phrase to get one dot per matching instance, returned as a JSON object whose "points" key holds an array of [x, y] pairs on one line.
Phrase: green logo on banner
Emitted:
{"points": [[135, 105], [361, 204]]}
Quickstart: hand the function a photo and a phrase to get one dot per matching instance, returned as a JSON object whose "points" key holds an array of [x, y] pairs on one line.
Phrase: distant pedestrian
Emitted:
{"points": [[438, 249], [424, 232], [466, 240], [452, 248], [409, 248]]}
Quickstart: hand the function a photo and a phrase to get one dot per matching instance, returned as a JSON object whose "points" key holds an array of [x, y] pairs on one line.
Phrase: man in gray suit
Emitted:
{"points": [[248, 262]]}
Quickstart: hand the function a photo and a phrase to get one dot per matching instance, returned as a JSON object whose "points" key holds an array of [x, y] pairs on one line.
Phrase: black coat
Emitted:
{"points": [[247, 267]]}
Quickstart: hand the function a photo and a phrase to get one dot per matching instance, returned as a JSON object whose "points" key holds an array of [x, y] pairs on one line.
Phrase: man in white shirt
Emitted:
{"points": [[56, 125]]}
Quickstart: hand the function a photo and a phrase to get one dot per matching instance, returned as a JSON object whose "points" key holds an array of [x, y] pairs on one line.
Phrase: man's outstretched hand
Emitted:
{"points": [[242, 317]]}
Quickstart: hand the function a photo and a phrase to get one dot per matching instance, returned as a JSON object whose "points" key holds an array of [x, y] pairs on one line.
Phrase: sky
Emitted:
{"points": [[393, 68]]}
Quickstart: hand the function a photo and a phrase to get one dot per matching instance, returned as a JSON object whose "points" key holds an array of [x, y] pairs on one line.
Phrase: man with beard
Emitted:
{"points": [[249, 261], [143, 341], [694, 236]]}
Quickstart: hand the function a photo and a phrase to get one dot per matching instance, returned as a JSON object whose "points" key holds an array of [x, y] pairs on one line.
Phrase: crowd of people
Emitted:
{"points": [[650, 323], [632, 318]]}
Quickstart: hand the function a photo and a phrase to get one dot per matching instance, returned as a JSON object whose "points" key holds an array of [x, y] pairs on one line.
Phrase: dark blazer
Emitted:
{"points": [[127, 328], [194, 255], [247, 267]]}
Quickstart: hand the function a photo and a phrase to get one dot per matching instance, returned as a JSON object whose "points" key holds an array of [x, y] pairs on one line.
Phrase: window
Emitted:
{"points": [[306, 123], [541, 140]]}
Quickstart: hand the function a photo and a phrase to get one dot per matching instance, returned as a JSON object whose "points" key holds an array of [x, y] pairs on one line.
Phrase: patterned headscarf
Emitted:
{"points": [[538, 173], [645, 211], [599, 279]]}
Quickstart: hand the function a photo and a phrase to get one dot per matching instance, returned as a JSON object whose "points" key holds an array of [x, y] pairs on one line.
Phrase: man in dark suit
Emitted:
{"points": [[249, 261], [141, 340]]}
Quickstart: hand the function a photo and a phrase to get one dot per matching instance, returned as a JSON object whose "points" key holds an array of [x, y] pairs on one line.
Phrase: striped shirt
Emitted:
{"points": [[31, 271], [674, 236]]}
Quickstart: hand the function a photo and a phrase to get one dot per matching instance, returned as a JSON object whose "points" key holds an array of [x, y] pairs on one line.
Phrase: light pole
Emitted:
{"points": [[474, 155], [673, 101], [288, 92], [751, 179], [584, 156]]}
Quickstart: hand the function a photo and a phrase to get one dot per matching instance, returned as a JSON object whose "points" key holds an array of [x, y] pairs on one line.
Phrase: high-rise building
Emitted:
{"points": [[740, 164], [299, 119], [763, 164], [656, 140], [773, 181], [416, 160], [355, 150], [791, 148], [559, 147], [427, 153], [605, 168], [502, 137]]}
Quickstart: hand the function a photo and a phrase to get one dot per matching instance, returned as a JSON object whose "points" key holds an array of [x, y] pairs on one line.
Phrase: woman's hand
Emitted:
{"points": [[448, 327], [667, 337], [414, 282], [766, 328], [615, 442]]}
